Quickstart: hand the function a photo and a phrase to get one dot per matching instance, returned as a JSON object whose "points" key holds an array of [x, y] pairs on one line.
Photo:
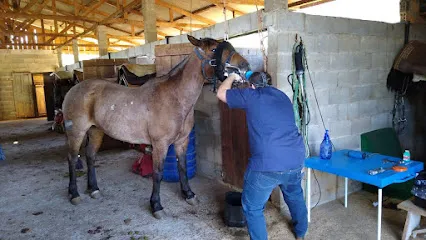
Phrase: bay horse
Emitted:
{"points": [[159, 113]]}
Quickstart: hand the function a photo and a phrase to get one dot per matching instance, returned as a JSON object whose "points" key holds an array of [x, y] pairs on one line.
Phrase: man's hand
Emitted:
{"points": [[227, 84]]}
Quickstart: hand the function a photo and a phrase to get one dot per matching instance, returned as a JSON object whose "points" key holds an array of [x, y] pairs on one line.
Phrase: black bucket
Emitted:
{"points": [[234, 216]]}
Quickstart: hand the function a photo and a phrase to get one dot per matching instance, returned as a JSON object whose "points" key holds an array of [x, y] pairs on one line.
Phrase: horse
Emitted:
{"points": [[158, 113]]}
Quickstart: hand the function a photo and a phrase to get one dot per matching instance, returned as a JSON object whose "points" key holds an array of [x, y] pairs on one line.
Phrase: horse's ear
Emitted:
{"points": [[194, 41]]}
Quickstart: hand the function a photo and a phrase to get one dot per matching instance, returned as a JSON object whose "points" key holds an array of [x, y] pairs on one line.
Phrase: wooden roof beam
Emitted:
{"points": [[113, 15], [27, 23], [92, 8], [29, 5], [247, 2], [60, 45], [304, 3], [219, 4], [184, 12], [82, 7], [309, 4], [63, 31], [85, 27], [44, 16]]}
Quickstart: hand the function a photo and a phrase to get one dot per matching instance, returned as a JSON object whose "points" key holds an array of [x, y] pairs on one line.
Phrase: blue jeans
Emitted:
{"points": [[258, 187]]}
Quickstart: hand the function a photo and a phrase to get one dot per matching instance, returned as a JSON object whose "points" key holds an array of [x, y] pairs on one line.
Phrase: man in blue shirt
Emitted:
{"points": [[276, 148]]}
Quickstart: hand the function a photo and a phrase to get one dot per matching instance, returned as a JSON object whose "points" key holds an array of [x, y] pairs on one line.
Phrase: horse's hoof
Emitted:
{"points": [[192, 201], [95, 194], [160, 214], [75, 201]]}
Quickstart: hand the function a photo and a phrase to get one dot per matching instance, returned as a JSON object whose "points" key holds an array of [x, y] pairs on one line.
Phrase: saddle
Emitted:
{"points": [[407, 65], [411, 58], [135, 74]]}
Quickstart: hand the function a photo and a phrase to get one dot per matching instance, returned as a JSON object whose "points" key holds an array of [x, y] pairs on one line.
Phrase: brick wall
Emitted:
{"points": [[34, 61]]}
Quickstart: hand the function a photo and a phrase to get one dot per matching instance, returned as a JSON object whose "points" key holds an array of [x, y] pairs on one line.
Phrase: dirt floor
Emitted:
{"points": [[34, 202]]}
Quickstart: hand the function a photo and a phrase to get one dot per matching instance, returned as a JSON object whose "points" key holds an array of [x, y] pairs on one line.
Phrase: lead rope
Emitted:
{"points": [[300, 101], [261, 37]]}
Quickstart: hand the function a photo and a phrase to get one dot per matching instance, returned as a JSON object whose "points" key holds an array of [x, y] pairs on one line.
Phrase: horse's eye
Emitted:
{"points": [[214, 50]]}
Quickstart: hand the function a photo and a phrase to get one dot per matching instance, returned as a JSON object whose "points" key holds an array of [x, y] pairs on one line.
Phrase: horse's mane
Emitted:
{"points": [[178, 67]]}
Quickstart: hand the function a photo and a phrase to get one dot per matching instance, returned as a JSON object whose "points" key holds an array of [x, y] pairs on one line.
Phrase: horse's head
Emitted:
{"points": [[219, 57]]}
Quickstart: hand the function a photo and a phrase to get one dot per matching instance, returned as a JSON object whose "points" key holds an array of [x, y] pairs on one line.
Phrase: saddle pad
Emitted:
{"points": [[411, 58]]}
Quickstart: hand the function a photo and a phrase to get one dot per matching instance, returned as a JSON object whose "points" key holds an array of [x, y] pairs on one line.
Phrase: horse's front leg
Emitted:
{"points": [[159, 152], [180, 148]]}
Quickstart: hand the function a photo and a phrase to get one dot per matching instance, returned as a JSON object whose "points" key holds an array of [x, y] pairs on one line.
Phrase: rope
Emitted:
{"points": [[261, 37], [300, 101], [226, 35], [190, 18]]}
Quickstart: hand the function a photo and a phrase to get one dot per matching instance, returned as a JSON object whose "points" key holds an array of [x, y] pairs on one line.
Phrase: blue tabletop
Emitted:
{"points": [[357, 169]]}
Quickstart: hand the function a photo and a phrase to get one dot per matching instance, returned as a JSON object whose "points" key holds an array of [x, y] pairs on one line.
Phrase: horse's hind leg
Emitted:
{"points": [[75, 138], [159, 152], [180, 148], [95, 136]]}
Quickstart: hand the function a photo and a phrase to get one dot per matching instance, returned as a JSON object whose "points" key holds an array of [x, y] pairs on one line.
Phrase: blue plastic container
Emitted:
{"points": [[171, 171], [2, 157], [326, 147]]}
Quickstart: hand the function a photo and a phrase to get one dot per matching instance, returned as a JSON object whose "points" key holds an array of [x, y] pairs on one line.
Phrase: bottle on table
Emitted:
{"points": [[326, 147], [406, 156]]}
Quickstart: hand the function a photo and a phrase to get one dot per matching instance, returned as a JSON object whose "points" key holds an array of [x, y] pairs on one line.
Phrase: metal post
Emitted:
{"points": [[346, 192], [308, 193], [379, 215]]}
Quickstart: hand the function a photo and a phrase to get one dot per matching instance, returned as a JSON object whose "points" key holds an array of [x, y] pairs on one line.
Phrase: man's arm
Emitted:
{"points": [[226, 85]]}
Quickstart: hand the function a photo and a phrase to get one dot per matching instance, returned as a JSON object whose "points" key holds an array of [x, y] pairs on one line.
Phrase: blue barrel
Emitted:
{"points": [[171, 171]]}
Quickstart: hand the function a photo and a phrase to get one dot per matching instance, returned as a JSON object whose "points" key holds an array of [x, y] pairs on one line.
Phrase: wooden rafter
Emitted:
{"points": [[28, 22], [247, 2], [82, 7], [3, 29], [306, 4], [85, 27], [113, 15], [184, 12], [16, 4], [58, 45], [52, 34], [29, 5], [62, 32], [92, 8], [43, 30], [219, 4], [45, 16], [299, 3]]}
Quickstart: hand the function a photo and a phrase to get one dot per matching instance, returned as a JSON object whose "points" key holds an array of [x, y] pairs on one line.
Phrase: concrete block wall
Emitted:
{"points": [[25, 60], [349, 61]]}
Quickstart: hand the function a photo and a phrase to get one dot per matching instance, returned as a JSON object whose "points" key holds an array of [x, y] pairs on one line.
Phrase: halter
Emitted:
{"points": [[219, 69]]}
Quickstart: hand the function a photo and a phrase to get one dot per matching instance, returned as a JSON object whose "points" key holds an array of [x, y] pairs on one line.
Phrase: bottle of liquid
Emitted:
{"points": [[326, 147], [406, 156]]}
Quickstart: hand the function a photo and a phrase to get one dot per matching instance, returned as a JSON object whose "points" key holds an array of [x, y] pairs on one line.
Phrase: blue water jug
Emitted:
{"points": [[326, 147], [2, 157]]}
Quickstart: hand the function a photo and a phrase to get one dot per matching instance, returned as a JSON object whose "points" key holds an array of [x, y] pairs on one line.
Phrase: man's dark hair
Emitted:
{"points": [[260, 79]]}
